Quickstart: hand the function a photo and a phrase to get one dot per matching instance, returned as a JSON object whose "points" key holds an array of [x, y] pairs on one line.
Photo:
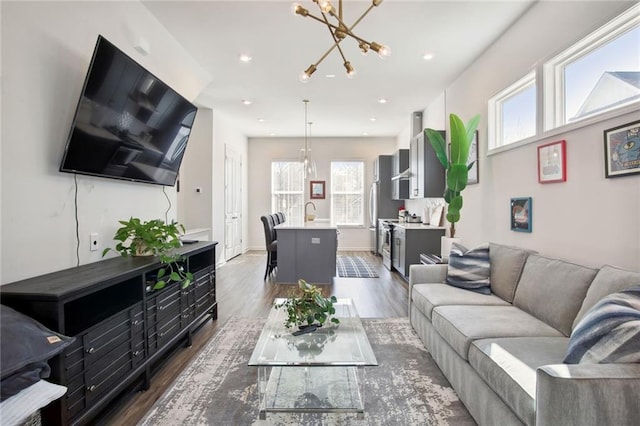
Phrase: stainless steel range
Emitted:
{"points": [[386, 242]]}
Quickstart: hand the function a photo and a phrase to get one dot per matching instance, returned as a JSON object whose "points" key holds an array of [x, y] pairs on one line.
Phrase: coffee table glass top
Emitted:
{"points": [[343, 344]]}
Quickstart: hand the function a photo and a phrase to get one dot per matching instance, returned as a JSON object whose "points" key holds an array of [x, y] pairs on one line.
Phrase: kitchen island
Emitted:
{"points": [[306, 250]]}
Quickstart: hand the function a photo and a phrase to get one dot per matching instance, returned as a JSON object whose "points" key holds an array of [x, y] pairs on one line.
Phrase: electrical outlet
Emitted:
{"points": [[93, 241], [315, 240]]}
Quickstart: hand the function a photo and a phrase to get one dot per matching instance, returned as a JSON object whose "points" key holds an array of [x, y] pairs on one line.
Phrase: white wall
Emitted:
{"points": [[262, 151], [46, 49], [588, 219]]}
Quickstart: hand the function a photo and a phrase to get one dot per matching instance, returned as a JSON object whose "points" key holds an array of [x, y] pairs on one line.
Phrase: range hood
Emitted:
{"points": [[402, 176]]}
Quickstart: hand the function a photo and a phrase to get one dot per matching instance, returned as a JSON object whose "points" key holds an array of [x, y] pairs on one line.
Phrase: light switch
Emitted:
{"points": [[315, 240]]}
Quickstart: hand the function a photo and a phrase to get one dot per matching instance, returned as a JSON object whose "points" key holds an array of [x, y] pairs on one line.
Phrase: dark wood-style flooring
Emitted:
{"points": [[241, 292]]}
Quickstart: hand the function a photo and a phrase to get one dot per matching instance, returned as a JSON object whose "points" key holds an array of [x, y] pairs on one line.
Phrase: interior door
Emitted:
{"points": [[233, 203]]}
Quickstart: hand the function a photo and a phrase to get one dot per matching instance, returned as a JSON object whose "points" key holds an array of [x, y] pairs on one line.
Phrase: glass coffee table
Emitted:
{"points": [[322, 371]]}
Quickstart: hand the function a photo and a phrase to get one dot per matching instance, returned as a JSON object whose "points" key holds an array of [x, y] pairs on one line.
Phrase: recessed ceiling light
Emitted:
{"points": [[330, 75], [427, 56], [260, 120], [272, 134], [247, 102], [382, 101], [245, 58], [365, 134], [372, 119]]}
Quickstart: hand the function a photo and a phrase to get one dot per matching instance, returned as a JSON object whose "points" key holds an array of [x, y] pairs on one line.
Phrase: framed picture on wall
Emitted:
{"points": [[622, 150], [473, 175], [521, 214], [316, 189], [552, 162]]}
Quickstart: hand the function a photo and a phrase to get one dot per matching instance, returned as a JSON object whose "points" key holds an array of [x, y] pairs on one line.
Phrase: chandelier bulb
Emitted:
{"points": [[325, 5], [306, 74], [350, 70], [297, 9], [376, 2], [382, 50]]}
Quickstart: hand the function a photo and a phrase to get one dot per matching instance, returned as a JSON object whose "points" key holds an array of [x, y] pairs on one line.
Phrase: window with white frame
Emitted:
{"points": [[512, 113], [347, 192], [287, 188], [596, 75]]}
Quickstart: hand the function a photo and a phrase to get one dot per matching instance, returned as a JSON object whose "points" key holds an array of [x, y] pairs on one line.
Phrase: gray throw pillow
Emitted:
{"points": [[26, 347], [470, 269], [609, 332]]}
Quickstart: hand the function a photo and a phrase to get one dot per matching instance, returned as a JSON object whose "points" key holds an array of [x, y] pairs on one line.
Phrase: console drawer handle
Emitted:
{"points": [[136, 353], [161, 308], [161, 334], [135, 322], [91, 388], [91, 350]]}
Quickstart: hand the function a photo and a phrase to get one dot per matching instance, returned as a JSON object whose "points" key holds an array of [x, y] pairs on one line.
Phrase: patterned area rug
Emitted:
{"points": [[354, 267], [218, 388]]}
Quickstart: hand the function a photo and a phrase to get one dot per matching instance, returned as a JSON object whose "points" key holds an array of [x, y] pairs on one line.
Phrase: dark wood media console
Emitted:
{"points": [[122, 327]]}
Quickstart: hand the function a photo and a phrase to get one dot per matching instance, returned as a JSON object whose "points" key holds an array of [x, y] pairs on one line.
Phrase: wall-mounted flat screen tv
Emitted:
{"points": [[128, 124]]}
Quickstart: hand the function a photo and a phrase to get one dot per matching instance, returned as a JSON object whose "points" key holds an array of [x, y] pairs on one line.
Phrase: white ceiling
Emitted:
{"points": [[282, 45]]}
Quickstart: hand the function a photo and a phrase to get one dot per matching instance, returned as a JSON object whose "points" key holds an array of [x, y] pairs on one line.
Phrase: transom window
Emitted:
{"points": [[512, 113], [596, 75], [287, 188], [347, 192]]}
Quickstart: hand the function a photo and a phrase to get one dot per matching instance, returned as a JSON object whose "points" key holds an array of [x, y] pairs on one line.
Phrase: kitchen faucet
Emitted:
{"points": [[305, 209]]}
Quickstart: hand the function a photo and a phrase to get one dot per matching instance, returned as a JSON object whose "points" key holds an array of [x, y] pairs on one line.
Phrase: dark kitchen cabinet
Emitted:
{"points": [[409, 241], [427, 174], [123, 328]]}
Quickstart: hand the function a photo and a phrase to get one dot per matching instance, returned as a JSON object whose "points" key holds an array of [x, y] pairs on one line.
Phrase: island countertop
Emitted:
{"points": [[312, 224]]}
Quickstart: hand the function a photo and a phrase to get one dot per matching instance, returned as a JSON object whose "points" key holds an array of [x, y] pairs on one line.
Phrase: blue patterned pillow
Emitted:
{"points": [[470, 269], [609, 332]]}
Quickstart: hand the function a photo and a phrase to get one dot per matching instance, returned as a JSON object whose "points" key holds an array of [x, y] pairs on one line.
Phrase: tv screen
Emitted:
{"points": [[128, 124]]}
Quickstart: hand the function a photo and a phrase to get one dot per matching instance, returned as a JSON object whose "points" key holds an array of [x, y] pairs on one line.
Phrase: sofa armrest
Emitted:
{"points": [[588, 394], [427, 274]]}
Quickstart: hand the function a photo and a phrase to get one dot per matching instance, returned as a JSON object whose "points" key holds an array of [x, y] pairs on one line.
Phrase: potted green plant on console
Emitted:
{"points": [[456, 167], [154, 238], [308, 307]]}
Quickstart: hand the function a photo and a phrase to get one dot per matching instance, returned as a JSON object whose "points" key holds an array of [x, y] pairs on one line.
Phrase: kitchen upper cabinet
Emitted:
{"points": [[427, 174], [400, 181]]}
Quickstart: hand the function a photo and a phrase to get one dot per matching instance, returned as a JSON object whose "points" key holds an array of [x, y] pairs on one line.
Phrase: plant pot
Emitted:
{"points": [[445, 246]]}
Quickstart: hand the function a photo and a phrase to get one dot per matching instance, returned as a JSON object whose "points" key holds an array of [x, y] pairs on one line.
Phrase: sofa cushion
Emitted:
{"points": [[506, 267], [428, 296], [469, 269], [608, 280], [553, 290], [609, 332], [460, 325], [508, 366]]}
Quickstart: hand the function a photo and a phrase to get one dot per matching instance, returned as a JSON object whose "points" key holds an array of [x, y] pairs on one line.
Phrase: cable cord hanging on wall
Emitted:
{"points": [[166, 213], [75, 180]]}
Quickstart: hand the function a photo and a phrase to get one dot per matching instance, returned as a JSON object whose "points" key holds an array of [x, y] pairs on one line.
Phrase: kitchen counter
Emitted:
{"points": [[313, 224], [407, 225]]}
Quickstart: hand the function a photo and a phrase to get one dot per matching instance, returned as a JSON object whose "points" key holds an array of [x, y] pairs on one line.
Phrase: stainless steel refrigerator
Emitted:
{"points": [[381, 206]]}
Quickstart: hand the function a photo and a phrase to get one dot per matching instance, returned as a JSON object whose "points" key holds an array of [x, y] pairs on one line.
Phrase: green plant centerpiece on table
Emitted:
{"points": [[308, 306], [455, 164], [154, 238]]}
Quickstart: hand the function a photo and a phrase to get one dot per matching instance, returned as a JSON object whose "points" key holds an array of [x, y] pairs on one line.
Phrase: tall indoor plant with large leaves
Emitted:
{"points": [[455, 164]]}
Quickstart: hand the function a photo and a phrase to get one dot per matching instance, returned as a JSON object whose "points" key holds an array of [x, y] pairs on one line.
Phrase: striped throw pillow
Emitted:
{"points": [[470, 269], [609, 332]]}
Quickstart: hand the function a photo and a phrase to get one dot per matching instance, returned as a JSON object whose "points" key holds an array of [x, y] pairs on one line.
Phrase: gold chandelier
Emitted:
{"points": [[339, 31]]}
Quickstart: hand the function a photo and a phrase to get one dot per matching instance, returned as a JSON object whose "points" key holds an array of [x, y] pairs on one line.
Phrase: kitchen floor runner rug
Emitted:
{"points": [[354, 267], [219, 388]]}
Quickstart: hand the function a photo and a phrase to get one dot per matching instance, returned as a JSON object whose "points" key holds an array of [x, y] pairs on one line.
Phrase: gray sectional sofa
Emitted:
{"points": [[503, 353]]}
